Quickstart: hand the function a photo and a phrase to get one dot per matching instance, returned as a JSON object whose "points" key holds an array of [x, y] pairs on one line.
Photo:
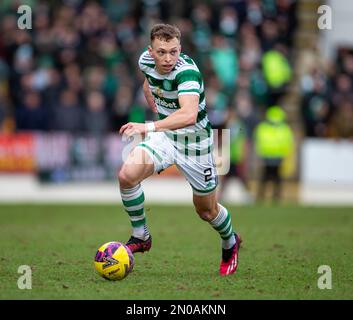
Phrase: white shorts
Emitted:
{"points": [[199, 171]]}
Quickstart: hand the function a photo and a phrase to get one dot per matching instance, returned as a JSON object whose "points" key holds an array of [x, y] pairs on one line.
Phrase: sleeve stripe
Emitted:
{"points": [[189, 85], [145, 61], [188, 92], [188, 75]]}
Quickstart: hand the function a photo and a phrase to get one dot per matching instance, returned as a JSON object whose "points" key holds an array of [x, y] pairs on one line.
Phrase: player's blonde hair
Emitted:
{"points": [[165, 32]]}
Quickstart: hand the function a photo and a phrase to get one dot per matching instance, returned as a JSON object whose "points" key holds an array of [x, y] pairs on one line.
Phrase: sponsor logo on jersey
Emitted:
{"points": [[170, 105]]}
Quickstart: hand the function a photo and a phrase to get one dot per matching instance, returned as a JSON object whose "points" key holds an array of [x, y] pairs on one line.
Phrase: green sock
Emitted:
{"points": [[133, 201], [223, 225]]}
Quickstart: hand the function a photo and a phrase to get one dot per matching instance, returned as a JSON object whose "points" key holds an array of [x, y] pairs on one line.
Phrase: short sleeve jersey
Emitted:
{"points": [[184, 79]]}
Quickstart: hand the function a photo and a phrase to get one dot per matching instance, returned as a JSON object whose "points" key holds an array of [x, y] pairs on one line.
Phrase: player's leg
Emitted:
{"points": [[148, 157], [220, 219], [218, 216], [202, 176], [136, 168]]}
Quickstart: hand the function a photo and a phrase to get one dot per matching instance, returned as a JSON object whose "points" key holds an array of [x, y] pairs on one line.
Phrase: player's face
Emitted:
{"points": [[165, 54]]}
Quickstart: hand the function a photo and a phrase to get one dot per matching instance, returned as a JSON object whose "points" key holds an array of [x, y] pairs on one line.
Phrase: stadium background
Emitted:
{"points": [[70, 82]]}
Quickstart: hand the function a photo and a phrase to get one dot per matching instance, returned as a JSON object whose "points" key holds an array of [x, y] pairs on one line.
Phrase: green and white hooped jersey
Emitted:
{"points": [[184, 79]]}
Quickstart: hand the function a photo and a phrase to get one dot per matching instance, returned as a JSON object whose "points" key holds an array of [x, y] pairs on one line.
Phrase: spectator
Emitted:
{"points": [[277, 72], [224, 61], [347, 64], [238, 153], [315, 110], [269, 34], [342, 90], [32, 114], [217, 103], [246, 112], [341, 123], [95, 118], [201, 17], [67, 114], [273, 142], [72, 78], [91, 46], [228, 22], [121, 106]]}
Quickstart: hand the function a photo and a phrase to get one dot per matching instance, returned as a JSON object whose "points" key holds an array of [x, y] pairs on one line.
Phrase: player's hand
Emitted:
{"points": [[133, 128]]}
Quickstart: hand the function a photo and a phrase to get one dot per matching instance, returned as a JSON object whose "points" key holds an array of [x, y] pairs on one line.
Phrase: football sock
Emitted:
{"points": [[223, 225], [133, 201]]}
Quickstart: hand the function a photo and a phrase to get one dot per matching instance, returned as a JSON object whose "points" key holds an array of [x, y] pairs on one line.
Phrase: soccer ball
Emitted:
{"points": [[114, 261]]}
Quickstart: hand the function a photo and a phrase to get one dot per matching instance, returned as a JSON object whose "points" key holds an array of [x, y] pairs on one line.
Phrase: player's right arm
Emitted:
{"points": [[184, 117], [145, 62], [189, 84], [148, 96]]}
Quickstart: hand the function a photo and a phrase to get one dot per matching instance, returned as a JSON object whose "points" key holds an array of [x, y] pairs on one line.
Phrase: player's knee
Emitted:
{"points": [[126, 180], [205, 214]]}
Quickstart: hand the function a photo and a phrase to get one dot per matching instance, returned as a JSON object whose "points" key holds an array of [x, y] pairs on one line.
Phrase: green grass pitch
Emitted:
{"points": [[279, 259]]}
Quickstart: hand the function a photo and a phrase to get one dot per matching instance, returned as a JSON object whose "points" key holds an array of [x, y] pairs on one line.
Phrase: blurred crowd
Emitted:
{"points": [[76, 69], [327, 103]]}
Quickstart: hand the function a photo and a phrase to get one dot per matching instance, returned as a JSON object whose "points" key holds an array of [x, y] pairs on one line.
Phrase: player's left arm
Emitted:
{"points": [[149, 97]]}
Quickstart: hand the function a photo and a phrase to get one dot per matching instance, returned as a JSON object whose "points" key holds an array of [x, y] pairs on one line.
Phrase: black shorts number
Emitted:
{"points": [[208, 174]]}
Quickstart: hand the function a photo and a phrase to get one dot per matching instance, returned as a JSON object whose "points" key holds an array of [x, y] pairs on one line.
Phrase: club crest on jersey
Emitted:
{"points": [[167, 85]]}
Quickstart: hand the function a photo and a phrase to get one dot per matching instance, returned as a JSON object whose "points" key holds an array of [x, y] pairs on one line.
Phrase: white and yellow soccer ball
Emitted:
{"points": [[114, 261]]}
